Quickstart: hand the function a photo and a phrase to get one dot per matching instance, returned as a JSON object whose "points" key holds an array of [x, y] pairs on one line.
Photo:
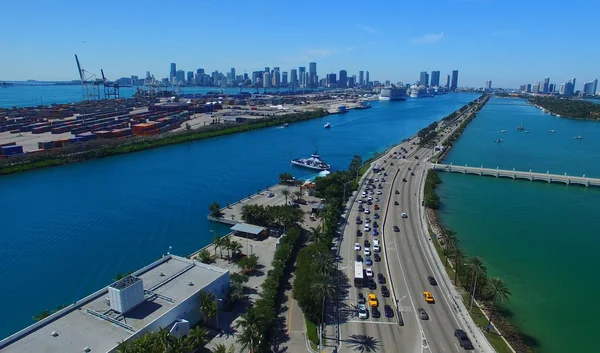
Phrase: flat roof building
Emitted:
{"points": [[164, 294]]}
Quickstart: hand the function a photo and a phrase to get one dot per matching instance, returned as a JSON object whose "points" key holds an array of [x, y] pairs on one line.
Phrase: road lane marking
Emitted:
{"points": [[458, 350], [372, 322]]}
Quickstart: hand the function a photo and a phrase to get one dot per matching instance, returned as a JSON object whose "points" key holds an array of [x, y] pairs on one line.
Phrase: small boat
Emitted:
{"points": [[285, 125], [520, 127], [498, 140], [327, 126], [526, 131], [314, 162], [578, 137], [551, 131], [503, 131]]}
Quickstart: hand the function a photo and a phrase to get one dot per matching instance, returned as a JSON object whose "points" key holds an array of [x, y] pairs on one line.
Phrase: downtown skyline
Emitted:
{"points": [[461, 35]]}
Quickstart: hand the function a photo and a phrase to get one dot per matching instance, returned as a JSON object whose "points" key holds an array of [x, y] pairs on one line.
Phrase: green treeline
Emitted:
{"points": [[568, 108], [106, 148], [432, 200]]}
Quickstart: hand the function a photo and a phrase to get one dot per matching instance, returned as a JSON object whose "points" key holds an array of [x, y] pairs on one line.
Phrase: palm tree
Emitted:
{"points": [[222, 348], [286, 193], [497, 289], [208, 305], [323, 283], [226, 243], [459, 257], [451, 238], [475, 264], [216, 243], [236, 247], [298, 194], [196, 338], [447, 253], [251, 330], [316, 234], [323, 262]]}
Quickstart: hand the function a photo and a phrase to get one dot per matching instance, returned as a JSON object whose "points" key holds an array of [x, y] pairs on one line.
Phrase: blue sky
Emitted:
{"points": [[510, 42]]}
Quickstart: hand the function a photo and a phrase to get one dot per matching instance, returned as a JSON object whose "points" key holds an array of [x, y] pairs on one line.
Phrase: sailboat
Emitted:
{"points": [[578, 137], [503, 131], [551, 131], [521, 127]]}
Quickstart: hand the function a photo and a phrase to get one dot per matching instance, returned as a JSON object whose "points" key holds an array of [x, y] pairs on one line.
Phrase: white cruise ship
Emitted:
{"points": [[392, 94], [419, 92]]}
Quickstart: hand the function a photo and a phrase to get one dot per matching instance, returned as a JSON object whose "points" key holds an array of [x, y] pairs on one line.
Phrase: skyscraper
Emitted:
{"points": [[180, 75], [148, 74], [367, 82], [361, 78], [351, 81], [571, 86], [454, 84], [424, 78], [546, 85], [589, 88], [232, 72], [331, 80], [276, 78], [294, 77], [267, 69], [190, 77], [284, 78], [447, 81], [488, 84], [435, 78], [312, 69], [266, 79], [200, 71], [343, 79], [173, 73], [302, 76]]}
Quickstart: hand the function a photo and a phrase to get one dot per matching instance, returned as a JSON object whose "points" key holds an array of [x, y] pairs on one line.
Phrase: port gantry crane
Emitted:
{"points": [[111, 89], [90, 85]]}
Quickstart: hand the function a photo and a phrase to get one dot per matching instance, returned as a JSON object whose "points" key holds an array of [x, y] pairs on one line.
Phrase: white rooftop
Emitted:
{"points": [[248, 228], [78, 327]]}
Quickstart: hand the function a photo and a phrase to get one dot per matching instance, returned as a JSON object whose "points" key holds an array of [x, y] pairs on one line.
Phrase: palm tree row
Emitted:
{"points": [[163, 342], [227, 244]]}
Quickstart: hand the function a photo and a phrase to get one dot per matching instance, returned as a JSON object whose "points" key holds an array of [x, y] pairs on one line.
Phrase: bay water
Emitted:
{"points": [[541, 238], [67, 231]]}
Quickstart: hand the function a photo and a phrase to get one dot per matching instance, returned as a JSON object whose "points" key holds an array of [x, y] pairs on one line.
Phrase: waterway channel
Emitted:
{"points": [[540, 238], [67, 231]]}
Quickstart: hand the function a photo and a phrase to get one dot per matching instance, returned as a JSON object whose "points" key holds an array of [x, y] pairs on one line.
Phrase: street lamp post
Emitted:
{"points": [[217, 316]]}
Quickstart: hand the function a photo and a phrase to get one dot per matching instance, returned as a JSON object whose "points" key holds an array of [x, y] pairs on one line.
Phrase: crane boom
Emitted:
{"points": [[103, 78], [81, 76]]}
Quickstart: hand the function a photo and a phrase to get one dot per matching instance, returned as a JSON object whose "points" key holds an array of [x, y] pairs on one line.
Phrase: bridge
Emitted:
{"points": [[515, 174]]}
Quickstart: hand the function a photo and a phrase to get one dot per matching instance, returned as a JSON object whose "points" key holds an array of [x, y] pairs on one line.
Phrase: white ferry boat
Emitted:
{"points": [[314, 162]]}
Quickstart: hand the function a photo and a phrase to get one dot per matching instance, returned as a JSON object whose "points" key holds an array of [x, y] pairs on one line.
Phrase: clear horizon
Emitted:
{"points": [[522, 42]]}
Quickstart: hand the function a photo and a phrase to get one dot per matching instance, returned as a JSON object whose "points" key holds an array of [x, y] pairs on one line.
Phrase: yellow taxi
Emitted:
{"points": [[373, 300], [428, 297]]}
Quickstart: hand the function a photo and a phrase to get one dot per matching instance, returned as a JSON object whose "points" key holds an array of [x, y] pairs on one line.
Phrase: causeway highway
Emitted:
{"points": [[406, 262]]}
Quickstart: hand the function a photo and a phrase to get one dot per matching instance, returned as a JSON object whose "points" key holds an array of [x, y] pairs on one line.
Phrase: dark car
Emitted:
{"points": [[384, 174], [380, 278], [358, 258], [372, 284], [375, 312], [380, 187], [396, 229], [366, 243], [361, 209], [384, 291], [404, 180], [397, 192], [375, 225], [358, 221], [376, 257], [361, 298], [376, 216], [388, 311], [463, 339], [358, 233], [396, 203], [416, 157], [432, 280], [423, 314], [409, 168], [412, 173]]}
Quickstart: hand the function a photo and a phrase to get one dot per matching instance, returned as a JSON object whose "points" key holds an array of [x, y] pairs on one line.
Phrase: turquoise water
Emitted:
{"points": [[67, 231], [540, 238]]}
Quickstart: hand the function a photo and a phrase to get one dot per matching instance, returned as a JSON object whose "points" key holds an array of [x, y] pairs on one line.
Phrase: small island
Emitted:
{"points": [[568, 107]]}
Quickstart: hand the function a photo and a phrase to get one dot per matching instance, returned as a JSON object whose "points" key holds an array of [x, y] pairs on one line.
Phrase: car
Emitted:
{"points": [[270, 194], [385, 292], [404, 215], [376, 248], [379, 192], [363, 313], [412, 173], [376, 216], [463, 339], [358, 258], [356, 246], [404, 157], [429, 297], [367, 220], [375, 312], [404, 180], [369, 272], [397, 192], [369, 202], [375, 232], [363, 196], [396, 203], [376, 241], [375, 225], [396, 157], [366, 243], [370, 198], [372, 284], [396, 229], [373, 300], [409, 168], [361, 298], [376, 180], [388, 311], [360, 202], [380, 187], [358, 221], [432, 280], [367, 251], [416, 157], [376, 207], [383, 180], [361, 208], [384, 174], [358, 233], [422, 314], [377, 199], [367, 228], [380, 278], [367, 211], [368, 261], [376, 257]]}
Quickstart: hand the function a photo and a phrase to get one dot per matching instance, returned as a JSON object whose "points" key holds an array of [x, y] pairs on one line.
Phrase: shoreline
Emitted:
{"points": [[507, 331]]}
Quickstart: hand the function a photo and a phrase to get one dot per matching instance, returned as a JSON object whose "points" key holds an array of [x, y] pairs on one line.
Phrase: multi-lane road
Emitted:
{"points": [[405, 263]]}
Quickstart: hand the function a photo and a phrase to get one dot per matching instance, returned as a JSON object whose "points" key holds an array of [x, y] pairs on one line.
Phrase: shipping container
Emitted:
{"points": [[8, 144], [11, 150], [102, 134], [40, 130], [45, 145]]}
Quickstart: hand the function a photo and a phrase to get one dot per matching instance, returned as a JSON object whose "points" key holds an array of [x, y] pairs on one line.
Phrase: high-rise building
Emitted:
{"points": [[284, 79], [302, 76], [232, 73], [276, 78], [536, 87], [424, 78], [352, 81], [306, 79], [312, 69], [528, 88], [200, 71], [571, 86], [180, 75], [343, 79], [266, 79], [293, 78], [488, 84], [435, 78], [267, 69], [447, 82], [331, 80], [546, 85], [148, 74], [589, 88], [173, 73], [563, 89], [190, 77], [454, 83], [361, 78], [367, 82], [551, 88]]}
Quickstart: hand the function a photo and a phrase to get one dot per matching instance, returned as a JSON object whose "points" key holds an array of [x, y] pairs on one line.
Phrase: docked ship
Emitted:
{"points": [[392, 94], [314, 162], [419, 92]]}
